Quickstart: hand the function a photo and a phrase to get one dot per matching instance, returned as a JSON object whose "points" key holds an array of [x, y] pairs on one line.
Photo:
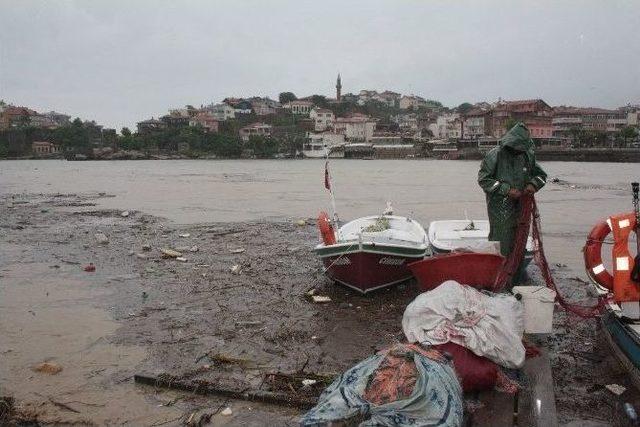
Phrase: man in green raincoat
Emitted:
{"points": [[507, 172]]}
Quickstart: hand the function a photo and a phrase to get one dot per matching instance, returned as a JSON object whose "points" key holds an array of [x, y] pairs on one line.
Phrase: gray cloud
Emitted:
{"points": [[121, 61]]}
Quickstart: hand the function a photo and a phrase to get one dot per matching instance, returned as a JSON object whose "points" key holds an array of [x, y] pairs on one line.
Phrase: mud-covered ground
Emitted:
{"points": [[235, 309]]}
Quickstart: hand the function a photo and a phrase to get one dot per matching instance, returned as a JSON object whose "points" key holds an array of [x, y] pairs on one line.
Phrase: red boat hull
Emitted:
{"points": [[474, 269], [365, 271]]}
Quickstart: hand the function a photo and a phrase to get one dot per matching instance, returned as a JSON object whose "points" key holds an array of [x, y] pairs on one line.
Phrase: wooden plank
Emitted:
{"points": [[537, 400], [497, 410]]}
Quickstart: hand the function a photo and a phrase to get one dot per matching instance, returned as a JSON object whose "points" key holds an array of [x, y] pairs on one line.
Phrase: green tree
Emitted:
{"points": [[226, 145], [263, 147], [285, 97], [627, 133], [464, 108], [320, 101], [73, 136]]}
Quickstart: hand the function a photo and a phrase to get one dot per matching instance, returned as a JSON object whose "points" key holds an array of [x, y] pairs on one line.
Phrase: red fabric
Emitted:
{"points": [[327, 181], [395, 378], [530, 220], [476, 373]]}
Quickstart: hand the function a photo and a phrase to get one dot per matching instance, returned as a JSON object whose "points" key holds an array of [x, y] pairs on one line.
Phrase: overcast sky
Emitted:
{"points": [[119, 62]]}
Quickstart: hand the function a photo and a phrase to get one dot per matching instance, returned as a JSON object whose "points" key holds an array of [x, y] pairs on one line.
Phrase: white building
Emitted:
{"points": [[447, 126], [299, 107], [323, 118], [222, 111], [357, 128], [323, 144], [474, 125], [264, 106], [406, 121], [255, 129], [412, 101]]}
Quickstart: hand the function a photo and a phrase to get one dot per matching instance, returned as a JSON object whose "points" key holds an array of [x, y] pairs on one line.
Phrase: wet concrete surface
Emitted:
{"points": [[141, 313]]}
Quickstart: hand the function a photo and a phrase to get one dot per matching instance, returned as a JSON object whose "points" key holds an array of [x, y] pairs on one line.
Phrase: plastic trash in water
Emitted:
{"points": [[90, 268]]}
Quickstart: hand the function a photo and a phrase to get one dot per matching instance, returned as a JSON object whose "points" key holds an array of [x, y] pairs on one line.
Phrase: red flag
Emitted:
{"points": [[327, 181]]}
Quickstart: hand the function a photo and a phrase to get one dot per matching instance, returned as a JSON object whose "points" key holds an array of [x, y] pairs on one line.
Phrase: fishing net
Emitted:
{"points": [[530, 220]]}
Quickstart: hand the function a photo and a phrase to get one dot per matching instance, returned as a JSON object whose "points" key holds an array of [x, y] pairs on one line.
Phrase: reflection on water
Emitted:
{"points": [[242, 190]]}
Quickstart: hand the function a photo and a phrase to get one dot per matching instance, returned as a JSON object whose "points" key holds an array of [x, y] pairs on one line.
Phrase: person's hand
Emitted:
{"points": [[514, 194], [530, 189]]}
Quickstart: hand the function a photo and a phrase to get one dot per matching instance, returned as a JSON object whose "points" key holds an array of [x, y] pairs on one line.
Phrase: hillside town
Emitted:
{"points": [[369, 124]]}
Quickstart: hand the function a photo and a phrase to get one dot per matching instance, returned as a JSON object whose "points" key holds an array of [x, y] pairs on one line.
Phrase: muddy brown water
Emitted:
{"points": [[102, 331]]}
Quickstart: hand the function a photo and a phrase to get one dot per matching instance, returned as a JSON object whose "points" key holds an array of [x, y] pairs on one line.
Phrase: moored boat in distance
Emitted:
{"points": [[373, 252], [319, 150]]}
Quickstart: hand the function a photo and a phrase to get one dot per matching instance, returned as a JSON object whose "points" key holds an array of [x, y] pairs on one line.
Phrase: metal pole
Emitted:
{"points": [[635, 273]]}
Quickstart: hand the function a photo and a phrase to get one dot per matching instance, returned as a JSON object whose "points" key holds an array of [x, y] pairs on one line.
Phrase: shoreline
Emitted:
{"points": [[200, 320], [587, 155]]}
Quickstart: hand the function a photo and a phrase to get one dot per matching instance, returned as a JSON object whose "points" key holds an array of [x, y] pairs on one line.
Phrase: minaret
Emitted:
{"points": [[338, 88]]}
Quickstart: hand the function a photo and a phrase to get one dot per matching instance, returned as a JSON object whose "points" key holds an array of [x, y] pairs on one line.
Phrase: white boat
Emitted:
{"points": [[373, 252], [466, 235], [319, 150]]}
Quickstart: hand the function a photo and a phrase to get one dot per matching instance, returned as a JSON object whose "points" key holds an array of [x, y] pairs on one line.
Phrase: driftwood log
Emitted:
{"points": [[210, 388]]}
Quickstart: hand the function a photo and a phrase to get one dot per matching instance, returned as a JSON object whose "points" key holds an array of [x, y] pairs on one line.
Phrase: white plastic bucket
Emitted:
{"points": [[538, 308]]}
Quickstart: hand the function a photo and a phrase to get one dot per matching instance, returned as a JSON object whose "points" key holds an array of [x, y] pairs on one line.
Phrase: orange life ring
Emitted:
{"points": [[326, 229], [624, 288], [593, 255]]}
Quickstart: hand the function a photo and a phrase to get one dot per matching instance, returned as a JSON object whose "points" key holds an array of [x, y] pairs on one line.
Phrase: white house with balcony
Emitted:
{"points": [[357, 128], [299, 107], [323, 119], [221, 112]]}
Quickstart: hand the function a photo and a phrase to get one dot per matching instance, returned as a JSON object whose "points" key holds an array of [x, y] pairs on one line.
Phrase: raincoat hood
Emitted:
{"points": [[517, 138]]}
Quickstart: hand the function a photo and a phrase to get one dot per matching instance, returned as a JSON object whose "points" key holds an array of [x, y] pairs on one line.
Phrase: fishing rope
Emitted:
{"points": [[530, 220]]}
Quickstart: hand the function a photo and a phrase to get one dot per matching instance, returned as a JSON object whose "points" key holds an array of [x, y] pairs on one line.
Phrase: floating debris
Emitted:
{"points": [[48, 368], [184, 235], [102, 238], [308, 382], [320, 299], [227, 412], [90, 268], [124, 214], [616, 389], [181, 259], [237, 251], [170, 253], [236, 269]]}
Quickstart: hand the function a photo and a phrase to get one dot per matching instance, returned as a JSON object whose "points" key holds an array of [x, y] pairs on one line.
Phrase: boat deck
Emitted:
{"points": [[534, 405]]}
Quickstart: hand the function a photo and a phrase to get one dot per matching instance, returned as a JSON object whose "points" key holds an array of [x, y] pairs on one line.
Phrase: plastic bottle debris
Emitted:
{"points": [[124, 214], [227, 412], [236, 269], [308, 382], [170, 253], [48, 368], [90, 268], [184, 235], [237, 251], [181, 259], [102, 238], [631, 413], [301, 222], [616, 389], [320, 299]]}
